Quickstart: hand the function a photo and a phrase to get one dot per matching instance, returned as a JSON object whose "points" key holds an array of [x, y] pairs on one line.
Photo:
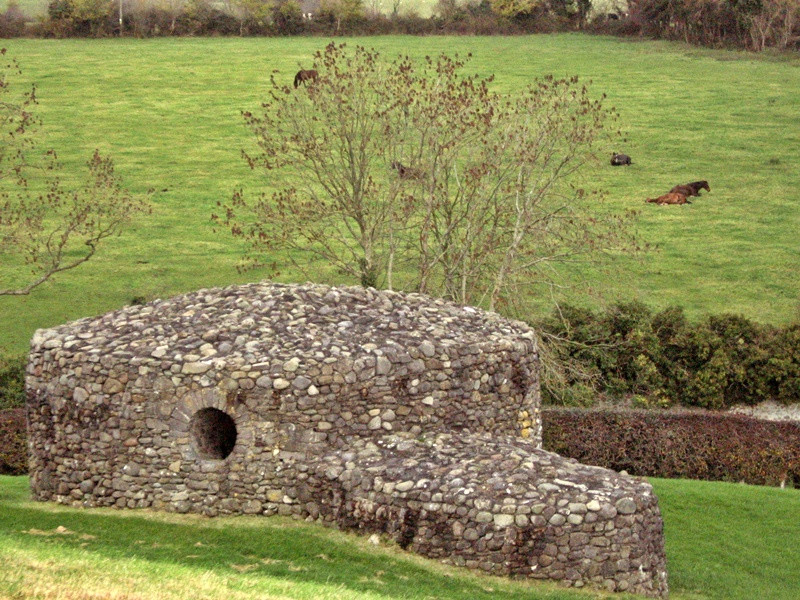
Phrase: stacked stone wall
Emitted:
{"points": [[247, 399]]}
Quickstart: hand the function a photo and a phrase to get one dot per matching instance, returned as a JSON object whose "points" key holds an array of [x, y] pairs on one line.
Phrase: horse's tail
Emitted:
{"points": [[297, 79]]}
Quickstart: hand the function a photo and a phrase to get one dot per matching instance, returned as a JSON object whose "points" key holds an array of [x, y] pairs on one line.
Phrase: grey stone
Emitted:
{"points": [[301, 382], [383, 366], [427, 348], [625, 506]]}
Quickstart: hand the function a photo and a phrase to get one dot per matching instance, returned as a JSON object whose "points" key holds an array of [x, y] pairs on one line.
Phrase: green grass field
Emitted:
{"points": [[168, 111], [724, 541], [30, 8]]}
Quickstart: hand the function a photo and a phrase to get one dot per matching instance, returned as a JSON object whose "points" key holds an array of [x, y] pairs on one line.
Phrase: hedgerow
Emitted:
{"points": [[13, 442], [750, 24], [661, 359], [696, 445], [12, 380]]}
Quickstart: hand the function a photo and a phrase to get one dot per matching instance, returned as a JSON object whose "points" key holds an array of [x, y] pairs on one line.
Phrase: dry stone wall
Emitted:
{"points": [[377, 411]]}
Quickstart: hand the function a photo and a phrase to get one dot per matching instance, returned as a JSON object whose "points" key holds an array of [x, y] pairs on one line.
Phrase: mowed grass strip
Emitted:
{"points": [[724, 541], [168, 111]]}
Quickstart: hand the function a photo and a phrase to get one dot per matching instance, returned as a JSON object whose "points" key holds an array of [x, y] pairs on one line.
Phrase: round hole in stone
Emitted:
{"points": [[213, 432]]}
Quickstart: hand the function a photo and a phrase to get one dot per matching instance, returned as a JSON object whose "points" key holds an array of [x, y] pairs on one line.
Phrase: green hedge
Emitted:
{"points": [[12, 380], [661, 359], [696, 445]]}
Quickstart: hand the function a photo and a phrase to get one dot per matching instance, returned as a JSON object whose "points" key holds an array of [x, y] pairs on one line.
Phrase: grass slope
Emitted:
{"points": [[141, 554], [30, 8], [724, 541], [168, 111]]}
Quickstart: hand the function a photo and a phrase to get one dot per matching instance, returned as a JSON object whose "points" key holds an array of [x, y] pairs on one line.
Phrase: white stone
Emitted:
{"points": [[195, 368], [280, 384], [503, 520]]}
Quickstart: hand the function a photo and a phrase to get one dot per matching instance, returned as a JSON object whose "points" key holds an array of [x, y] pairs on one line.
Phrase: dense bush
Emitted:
{"points": [[699, 445], [661, 359], [752, 24], [12, 380], [13, 442], [12, 21]]}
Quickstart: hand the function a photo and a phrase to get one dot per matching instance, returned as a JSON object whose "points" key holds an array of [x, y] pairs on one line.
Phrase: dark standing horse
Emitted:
{"points": [[304, 75]]}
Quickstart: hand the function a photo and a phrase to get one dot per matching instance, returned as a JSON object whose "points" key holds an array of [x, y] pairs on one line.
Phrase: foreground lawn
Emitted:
{"points": [[168, 111], [724, 541], [731, 541], [143, 555]]}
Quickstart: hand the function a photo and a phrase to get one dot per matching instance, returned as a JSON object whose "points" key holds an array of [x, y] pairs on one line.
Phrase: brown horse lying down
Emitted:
{"points": [[699, 185], [304, 75], [686, 190], [691, 189], [671, 198]]}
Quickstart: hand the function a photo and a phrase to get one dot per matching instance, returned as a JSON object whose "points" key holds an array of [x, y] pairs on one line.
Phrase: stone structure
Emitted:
{"points": [[374, 411]]}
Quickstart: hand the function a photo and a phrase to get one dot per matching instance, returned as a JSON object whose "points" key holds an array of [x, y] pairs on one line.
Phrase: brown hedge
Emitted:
{"points": [[689, 445], [13, 442]]}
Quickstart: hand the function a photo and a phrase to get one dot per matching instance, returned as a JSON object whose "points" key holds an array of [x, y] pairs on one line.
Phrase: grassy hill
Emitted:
{"points": [[168, 111], [724, 541]]}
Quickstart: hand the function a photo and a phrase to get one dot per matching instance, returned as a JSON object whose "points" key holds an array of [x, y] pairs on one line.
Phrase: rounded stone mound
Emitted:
{"points": [[269, 398]]}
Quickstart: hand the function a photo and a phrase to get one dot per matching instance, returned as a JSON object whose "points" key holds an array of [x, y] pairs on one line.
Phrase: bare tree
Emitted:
{"points": [[502, 209], [421, 176], [45, 228], [330, 144], [774, 24]]}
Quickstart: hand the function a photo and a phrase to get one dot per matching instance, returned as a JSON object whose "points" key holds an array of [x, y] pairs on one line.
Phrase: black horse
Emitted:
{"points": [[618, 160], [304, 75]]}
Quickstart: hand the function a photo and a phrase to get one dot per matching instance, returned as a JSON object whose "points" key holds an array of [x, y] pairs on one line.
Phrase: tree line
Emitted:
{"points": [[750, 24]]}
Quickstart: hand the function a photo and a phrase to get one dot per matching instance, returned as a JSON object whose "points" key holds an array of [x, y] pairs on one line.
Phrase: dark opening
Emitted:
{"points": [[213, 432]]}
